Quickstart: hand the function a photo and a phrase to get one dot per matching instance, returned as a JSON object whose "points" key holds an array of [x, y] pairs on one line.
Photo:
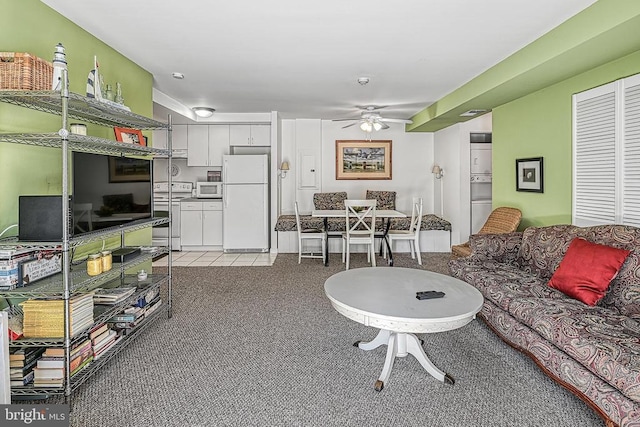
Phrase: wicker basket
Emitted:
{"points": [[23, 71]]}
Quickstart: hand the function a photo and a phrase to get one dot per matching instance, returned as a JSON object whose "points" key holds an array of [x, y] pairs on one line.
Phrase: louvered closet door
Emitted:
{"points": [[631, 153], [594, 156]]}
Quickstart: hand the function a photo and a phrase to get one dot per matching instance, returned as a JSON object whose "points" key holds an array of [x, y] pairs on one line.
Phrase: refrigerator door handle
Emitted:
{"points": [[226, 165], [226, 198]]}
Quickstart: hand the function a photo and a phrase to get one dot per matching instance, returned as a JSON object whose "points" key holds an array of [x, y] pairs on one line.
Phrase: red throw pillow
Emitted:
{"points": [[587, 269]]}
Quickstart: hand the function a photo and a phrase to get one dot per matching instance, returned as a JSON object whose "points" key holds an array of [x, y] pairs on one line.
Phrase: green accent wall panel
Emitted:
{"points": [[540, 125], [31, 26]]}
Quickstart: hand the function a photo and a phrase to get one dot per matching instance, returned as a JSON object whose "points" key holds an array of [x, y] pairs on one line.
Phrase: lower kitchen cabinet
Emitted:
{"points": [[200, 225]]}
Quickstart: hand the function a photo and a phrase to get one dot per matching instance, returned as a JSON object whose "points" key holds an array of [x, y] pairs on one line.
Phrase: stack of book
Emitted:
{"points": [[102, 339], [44, 318], [111, 296], [21, 363], [81, 355], [49, 371]]}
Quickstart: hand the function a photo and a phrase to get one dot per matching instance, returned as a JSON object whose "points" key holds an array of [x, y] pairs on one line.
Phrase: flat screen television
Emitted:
{"points": [[110, 191]]}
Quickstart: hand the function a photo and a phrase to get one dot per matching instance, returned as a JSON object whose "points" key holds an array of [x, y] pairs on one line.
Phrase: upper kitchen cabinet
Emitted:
{"points": [[207, 144], [178, 139], [250, 135]]}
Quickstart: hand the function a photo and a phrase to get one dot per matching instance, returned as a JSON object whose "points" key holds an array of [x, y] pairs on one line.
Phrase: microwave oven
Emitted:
{"points": [[209, 190]]}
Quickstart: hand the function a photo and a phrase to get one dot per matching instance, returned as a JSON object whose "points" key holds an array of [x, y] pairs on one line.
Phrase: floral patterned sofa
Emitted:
{"points": [[593, 351]]}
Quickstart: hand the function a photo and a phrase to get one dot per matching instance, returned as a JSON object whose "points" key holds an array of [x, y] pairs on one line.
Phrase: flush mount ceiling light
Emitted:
{"points": [[203, 112], [363, 80], [178, 76]]}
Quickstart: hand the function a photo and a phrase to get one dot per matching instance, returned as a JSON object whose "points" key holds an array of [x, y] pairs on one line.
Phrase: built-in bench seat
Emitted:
{"points": [[429, 222]]}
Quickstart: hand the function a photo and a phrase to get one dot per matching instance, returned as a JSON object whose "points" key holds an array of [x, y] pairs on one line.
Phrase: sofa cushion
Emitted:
{"points": [[603, 341], [501, 283], [498, 247], [543, 248], [329, 201], [587, 269], [385, 199]]}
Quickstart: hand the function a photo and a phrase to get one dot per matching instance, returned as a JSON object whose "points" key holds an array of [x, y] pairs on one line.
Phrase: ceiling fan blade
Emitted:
{"points": [[352, 124], [371, 107], [343, 120], [384, 125], [406, 121]]}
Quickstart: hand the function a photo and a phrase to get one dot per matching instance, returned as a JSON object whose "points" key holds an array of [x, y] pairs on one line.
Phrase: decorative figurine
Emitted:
{"points": [[94, 89], [119, 99], [59, 64]]}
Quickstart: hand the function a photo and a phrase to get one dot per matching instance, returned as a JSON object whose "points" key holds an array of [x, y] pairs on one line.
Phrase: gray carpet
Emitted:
{"points": [[262, 346]]}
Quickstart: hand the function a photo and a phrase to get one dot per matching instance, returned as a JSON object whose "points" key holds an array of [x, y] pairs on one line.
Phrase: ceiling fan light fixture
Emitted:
{"points": [[203, 112], [377, 126], [366, 126]]}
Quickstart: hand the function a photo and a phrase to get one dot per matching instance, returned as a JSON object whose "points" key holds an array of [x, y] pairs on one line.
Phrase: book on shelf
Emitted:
{"points": [[98, 330], [44, 318], [54, 352], [48, 383], [112, 296], [104, 338], [48, 373], [111, 336], [85, 362], [51, 363], [21, 381]]}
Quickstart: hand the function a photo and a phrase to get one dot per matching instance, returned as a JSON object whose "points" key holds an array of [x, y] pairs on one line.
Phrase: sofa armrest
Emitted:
{"points": [[502, 247]]}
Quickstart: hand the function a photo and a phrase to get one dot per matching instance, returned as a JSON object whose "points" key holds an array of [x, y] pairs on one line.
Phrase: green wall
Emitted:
{"points": [[30, 26], [539, 125]]}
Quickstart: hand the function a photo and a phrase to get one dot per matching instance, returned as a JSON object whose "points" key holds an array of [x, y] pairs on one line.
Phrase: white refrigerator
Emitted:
{"points": [[245, 212]]}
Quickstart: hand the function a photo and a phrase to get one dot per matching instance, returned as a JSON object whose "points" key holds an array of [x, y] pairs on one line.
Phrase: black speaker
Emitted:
{"points": [[40, 218]]}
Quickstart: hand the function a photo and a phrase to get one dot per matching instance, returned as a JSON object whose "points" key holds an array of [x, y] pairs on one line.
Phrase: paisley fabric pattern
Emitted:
{"points": [[288, 223], [499, 247], [429, 222], [594, 351], [324, 201], [385, 199]]}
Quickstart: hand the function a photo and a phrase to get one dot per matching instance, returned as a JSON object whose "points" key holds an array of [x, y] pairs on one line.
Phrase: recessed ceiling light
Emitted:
{"points": [[203, 112], [178, 76]]}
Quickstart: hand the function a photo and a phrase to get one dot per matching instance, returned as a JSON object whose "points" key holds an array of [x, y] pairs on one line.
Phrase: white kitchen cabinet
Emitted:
{"points": [[250, 135], [218, 143], [212, 223], [201, 225], [198, 145], [178, 140], [207, 144]]}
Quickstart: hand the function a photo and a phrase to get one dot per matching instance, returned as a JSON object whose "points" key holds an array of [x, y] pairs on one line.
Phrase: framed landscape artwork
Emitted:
{"points": [[363, 159], [529, 175]]}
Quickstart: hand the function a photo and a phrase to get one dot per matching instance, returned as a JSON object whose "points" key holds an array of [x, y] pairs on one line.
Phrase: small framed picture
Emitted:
{"points": [[530, 175], [129, 136]]}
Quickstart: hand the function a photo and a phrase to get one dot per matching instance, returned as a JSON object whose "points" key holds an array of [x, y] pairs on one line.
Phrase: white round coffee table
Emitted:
{"points": [[385, 298]]}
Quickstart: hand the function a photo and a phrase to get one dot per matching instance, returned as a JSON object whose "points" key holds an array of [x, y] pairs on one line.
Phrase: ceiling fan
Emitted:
{"points": [[370, 119]]}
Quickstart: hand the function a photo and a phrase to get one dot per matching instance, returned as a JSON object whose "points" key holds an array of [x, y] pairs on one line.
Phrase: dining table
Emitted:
{"points": [[384, 214]]}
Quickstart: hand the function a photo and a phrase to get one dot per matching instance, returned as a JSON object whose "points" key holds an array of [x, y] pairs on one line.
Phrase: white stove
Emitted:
{"points": [[161, 203]]}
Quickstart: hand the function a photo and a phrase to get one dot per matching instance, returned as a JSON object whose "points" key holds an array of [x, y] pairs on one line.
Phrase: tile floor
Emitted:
{"points": [[216, 259]]}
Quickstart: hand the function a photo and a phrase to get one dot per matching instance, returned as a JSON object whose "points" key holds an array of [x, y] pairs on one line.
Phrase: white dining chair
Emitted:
{"points": [[309, 234], [360, 226], [412, 234]]}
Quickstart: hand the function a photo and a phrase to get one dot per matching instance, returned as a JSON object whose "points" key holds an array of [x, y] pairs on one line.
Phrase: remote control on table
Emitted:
{"points": [[429, 295]]}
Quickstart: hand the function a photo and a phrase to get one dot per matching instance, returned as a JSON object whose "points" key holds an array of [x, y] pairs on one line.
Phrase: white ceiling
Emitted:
{"points": [[303, 58]]}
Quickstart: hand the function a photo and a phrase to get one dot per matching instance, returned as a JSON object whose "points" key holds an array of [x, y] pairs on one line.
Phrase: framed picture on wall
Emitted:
{"points": [[363, 159], [530, 175]]}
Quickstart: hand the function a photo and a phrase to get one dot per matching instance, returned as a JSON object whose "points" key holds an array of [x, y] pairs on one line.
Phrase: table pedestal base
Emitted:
{"points": [[400, 344]]}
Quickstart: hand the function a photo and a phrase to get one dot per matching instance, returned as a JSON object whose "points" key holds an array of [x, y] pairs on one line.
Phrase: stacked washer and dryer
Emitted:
{"points": [[480, 169]]}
